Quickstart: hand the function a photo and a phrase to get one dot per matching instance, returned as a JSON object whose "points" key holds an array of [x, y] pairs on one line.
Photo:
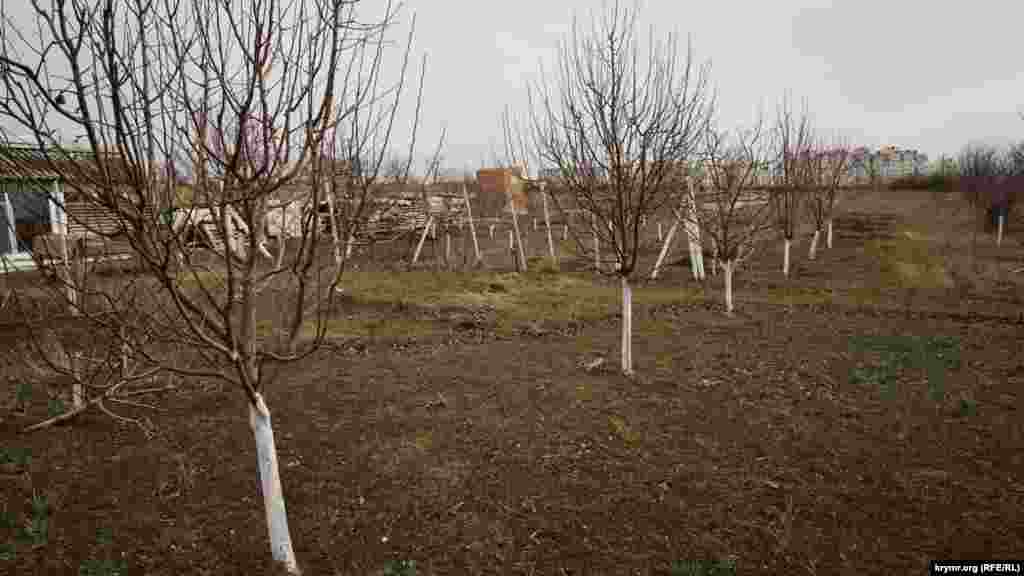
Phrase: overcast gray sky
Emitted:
{"points": [[912, 73]]}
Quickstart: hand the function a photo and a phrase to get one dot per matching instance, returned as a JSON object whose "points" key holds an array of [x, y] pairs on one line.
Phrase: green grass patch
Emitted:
{"points": [[516, 298], [910, 261], [884, 358]]}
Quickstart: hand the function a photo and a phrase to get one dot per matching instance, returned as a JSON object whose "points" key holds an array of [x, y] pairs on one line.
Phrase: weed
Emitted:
{"points": [[105, 566], [55, 407], [7, 552], [400, 568], [623, 431], [703, 568], [22, 394], [968, 407], [36, 531], [18, 456]]}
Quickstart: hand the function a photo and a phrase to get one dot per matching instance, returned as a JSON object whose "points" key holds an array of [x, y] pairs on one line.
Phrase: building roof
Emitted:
{"points": [[24, 161]]}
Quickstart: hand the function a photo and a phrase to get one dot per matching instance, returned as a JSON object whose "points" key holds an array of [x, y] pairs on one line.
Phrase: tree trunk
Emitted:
{"points": [[334, 226], [727, 268], [270, 483], [597, 243], [547, 224], [828, 237], [423, 238], [627, 327], [565, 232], [472, 227], [447, 247], [812, 253], [490, 231], [787, 244], [659, 232], [664, 249], [999, 234], [520, 252]]}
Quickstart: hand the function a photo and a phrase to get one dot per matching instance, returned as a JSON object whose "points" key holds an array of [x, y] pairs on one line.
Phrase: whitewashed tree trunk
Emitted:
{"points": [[77, 390], [659, 232], [693, 234], [565, 232], [728, 266], [490, 231], [520, 251], [447, 247], [335, 236], [627, 327], [787, 244], [812, 253], [999, 234], [828, 242], [348, 247], [664, 249], [511, 241], [282, 239], [270, 484], [423, 238], [547, 224], [472, 226]]}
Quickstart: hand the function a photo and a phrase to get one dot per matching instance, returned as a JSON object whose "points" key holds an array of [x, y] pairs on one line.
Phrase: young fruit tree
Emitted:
{"points": [[618, 124], [793, 142], [827, 166], [266, 101], [980, 166], [733, 211]]}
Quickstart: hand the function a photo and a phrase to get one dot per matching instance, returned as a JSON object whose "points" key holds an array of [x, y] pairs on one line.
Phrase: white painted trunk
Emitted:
{"points": [[348, 248], [270, 484], [77, 396], [447, 246], [490, 231], [334, 227], [728, 266], [664, 250], [511, 241], [69, 277], [627, 327], [423, 238], [785, 257], [828, 241], [812, 253], [472, 226], [534, 224], [999, 234], [520, 251], [565, 232], [262, 247], [659, 232], [547, 224]]}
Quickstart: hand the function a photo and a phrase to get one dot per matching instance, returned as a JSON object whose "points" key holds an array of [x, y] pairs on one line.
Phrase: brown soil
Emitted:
{"points": [[743, 438]]}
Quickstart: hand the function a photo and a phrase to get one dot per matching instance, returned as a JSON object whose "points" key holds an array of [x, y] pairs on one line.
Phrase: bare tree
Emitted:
{"points": [[618, 129], [980, 167], [793, 144], [270, 101], [734, 212], [827, 165]]}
